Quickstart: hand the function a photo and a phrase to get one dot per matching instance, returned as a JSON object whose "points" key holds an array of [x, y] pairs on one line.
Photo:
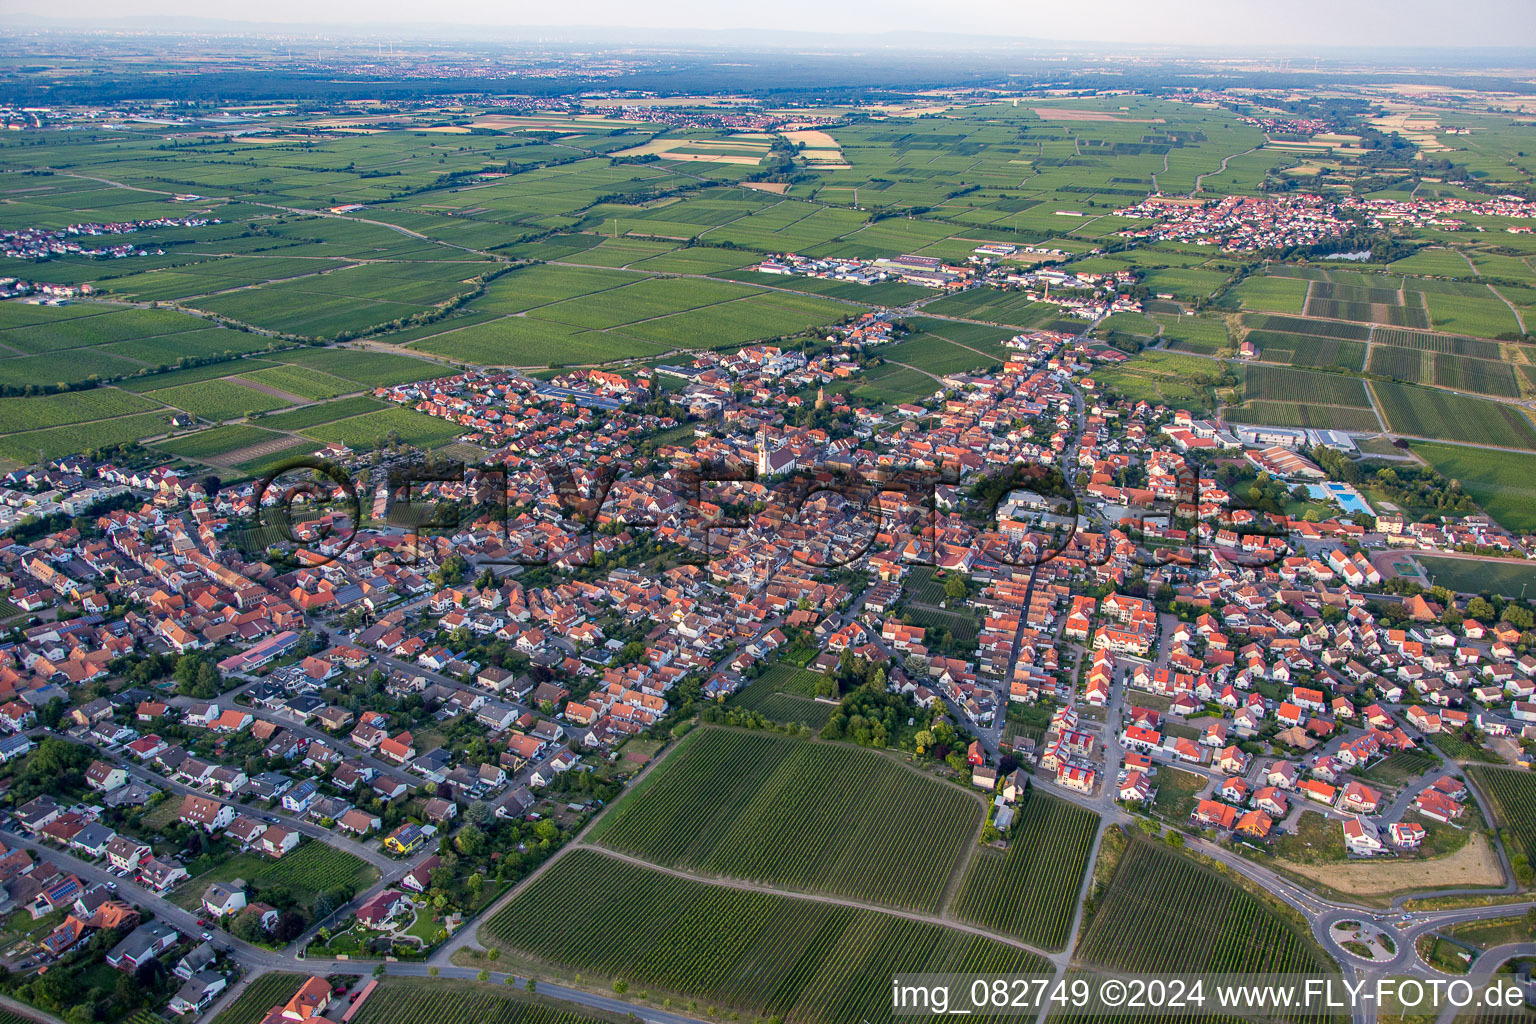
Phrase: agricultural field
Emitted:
{"points": [[1270, 294], [1166, 378], [1440, 415], [1200, 334], [311, 868], [785, 693], [1030, 890], [748, 951], [1513, 793], [266, 991], [527, 341], [352, 300], [219, 399], [1309, 350], [1274, 384], [369, 369], [17, 414], [314, 415], [414, 1000], [756, 806], [209, 444], [1503, 483], [27, 447], [1208, 922], [373, 430]]}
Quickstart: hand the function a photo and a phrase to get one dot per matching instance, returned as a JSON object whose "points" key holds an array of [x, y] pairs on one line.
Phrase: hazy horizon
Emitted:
{"points": [[1196, 23]]}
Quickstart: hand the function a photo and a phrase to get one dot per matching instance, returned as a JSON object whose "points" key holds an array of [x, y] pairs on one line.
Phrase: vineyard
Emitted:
{"points": [[311, 868], [785, 693], [1514, 802], [419, 1001], [261, 995], [797, 814], [752, 952], [1165, 912], [1030, 891]]}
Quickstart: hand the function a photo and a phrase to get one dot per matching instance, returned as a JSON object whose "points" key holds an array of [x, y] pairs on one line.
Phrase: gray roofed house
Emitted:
{"points": [[198, 991], [93, 839], [194, 961], [143, 943]]}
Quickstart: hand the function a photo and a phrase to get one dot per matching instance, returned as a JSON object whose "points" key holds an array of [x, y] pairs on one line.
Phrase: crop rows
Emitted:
{"points": [[1448, 343], [421, 1002], [1307, 349], [1299, 325], [1280, 384], [1425, 412], [796, 814], [1514, 802], [263, 993], [1030, 891], [1164, 912], [750, 951]]}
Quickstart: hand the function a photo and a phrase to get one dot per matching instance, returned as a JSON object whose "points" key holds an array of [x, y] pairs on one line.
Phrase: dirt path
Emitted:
{"points": [[811, 897], [268, 389], [1200, 178], [1519, 320]]}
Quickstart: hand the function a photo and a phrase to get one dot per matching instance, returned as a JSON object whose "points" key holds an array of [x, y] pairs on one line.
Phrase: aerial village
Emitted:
{"points": [[353, 737]]}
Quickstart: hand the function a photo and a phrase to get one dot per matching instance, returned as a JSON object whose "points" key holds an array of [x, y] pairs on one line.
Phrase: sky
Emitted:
{"points": [[1248, 23]]}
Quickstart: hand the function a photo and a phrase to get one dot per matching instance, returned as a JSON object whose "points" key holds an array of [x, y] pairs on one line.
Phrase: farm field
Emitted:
{"points": [[1271, 294], [1430, 413], [1168, 378], [271, 989], [307, 870], [420, 1000], [26, 447], [754, 806], [216, 441], [314, 415], [753, 952], [1513, 793], [1209, 922], [373, 429], [1030, 891], [18, 414], [785, 694], [528, 341], [219, 399], [1503, 483]]}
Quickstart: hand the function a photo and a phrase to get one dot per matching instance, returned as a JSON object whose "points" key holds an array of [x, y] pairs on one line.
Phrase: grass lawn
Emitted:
{"points": [[1177, 792], [1503, 483], [1317, 840], [1502, 576]]}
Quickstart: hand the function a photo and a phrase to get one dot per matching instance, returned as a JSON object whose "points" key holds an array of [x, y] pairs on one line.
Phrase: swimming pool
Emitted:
{"points": [[1349, 499]]}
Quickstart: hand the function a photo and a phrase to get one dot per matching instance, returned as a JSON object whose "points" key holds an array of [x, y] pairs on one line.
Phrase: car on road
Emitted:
{"points": [[112, 886], [207, 936], [271, 820]]}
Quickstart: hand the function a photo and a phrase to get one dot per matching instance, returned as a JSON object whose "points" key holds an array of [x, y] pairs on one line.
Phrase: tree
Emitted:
{"points": [[247, 928], [620, 986], [290, 925], [470, 840], [1479, 609], [954, 587], [533, 986], [433, 970]]}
